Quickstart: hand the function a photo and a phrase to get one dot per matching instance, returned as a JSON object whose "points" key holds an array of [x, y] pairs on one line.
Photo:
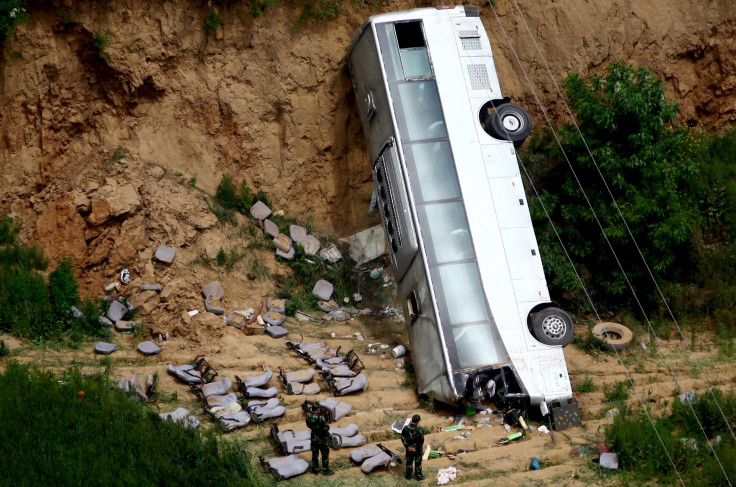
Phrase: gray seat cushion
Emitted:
{"points": [[259, 380], [148, 348], [235, 420], [277, 331], [217, 388], [186, 372], [262, 393], [380, 460], [290, 466], [181, 415], [347, 386], [222, 400], [366, 452], [105, 348], [261, 414]]}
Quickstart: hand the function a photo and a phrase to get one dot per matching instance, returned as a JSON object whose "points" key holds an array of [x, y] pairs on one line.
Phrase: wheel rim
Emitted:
{"points": [[511, 123], [554, 327]]}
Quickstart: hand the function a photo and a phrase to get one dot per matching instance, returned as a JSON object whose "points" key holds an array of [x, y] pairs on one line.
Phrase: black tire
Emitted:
{"points": [[509, 122], [616, 336], [553, 326]]}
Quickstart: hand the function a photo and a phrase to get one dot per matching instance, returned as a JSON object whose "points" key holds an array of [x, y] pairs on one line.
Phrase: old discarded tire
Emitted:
{"points": [[616, 336], [553, 326], [509, 122]]}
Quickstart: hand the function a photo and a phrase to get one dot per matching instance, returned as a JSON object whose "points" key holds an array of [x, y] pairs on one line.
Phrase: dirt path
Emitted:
{"points": [[390, 396]]}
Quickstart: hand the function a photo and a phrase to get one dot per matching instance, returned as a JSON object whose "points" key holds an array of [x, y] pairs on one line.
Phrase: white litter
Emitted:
{"points": [[446, 475], [543, 429], [193, 312]]}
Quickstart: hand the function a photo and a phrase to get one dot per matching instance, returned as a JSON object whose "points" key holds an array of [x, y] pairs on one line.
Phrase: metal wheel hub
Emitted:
{"points": [[511, 123], [554, 327]]}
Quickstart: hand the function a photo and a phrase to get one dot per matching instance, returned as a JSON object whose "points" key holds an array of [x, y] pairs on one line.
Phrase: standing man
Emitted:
{"points": [[412, 436], [321, 439]]}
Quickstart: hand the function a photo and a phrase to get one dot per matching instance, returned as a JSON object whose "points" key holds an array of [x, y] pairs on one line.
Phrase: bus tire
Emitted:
{"points": [[553, 326], [509, 122], [617, 337]]}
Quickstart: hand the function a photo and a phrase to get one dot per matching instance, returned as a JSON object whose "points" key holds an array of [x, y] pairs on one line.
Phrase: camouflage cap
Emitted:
{"points": [[416, 418]]}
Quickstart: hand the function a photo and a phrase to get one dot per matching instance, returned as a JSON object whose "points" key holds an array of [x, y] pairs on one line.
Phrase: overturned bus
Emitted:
{"points": [[441, 138]]}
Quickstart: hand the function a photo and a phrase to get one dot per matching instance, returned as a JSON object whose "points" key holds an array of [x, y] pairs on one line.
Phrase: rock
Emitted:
{"points": [[260, 211], [213, 289], [270, 228], [282, 242], [104, 348], [100, 212], [311, 245], [165, 254], [297, 233], [116, 311], [286, 255], [148, 348], [121, 325], [277, 305], [59, 230], [77, 313], [170, 289], [151, 287], [323, 290]]}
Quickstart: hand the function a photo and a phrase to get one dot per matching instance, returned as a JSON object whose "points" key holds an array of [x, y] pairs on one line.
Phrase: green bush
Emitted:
{"points": [[675, 188], [211, 22], [228, 197], [618, 394], [31, 307], [77, 430], [12, 14], [101, 41], [637, 442]]}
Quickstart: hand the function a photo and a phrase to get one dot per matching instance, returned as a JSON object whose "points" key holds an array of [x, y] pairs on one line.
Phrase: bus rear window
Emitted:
{"points": [[413, 50]]}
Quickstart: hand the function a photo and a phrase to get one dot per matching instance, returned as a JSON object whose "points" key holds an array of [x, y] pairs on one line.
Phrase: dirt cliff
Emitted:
{"points": [[271, 104]]}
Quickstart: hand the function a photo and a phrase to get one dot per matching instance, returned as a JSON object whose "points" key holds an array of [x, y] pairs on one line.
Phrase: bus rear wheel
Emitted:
{"points": [[553, 326], [509, 122]]}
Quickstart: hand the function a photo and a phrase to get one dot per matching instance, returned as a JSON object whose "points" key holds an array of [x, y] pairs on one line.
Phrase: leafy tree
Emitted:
{"points": [[63, 285], [628, 127]]}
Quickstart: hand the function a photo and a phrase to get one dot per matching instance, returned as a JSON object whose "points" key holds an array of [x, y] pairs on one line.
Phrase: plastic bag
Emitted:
{"points": [[446, 475]]}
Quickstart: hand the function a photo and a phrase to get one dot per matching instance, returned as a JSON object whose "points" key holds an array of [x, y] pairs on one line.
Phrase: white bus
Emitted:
{"points": [[442, 138]]}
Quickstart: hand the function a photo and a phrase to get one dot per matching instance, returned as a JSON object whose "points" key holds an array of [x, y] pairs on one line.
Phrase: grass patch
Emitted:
{"points": [[77, 430], [618, 393], [118, 155], [592, 345], [640, 451], [586, 386]]}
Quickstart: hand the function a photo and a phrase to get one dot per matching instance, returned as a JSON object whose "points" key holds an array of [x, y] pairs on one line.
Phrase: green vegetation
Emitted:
{"points": [[586, 386], [12, 14], [101, 41], [4, 350], [674, 186], [240, 198], [31, 307], [591, 344], [618, 394], [77, 430], [118, 155], [212, 22], [640, 450]]}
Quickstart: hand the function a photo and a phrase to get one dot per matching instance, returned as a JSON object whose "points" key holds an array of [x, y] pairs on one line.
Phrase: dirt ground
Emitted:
{"points": [[566, 459]]}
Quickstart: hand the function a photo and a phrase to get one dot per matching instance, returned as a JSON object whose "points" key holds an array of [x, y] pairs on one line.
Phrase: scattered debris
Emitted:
{"points": [[398, 351], [181, 415], [165, 254], [535, 464], [446, 475], [193, 312], [609, 460], [367, 245], [151, 287], [125, 276], [511, 437], [331, 254]]}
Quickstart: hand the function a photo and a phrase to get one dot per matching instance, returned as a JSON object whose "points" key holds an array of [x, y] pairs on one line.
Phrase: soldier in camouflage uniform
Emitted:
{"points": [[321, 439], [412, 436]]}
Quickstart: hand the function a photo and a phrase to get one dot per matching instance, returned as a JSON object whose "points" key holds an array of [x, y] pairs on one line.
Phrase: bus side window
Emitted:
{"points": [[413, 50], [413, 306]]}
